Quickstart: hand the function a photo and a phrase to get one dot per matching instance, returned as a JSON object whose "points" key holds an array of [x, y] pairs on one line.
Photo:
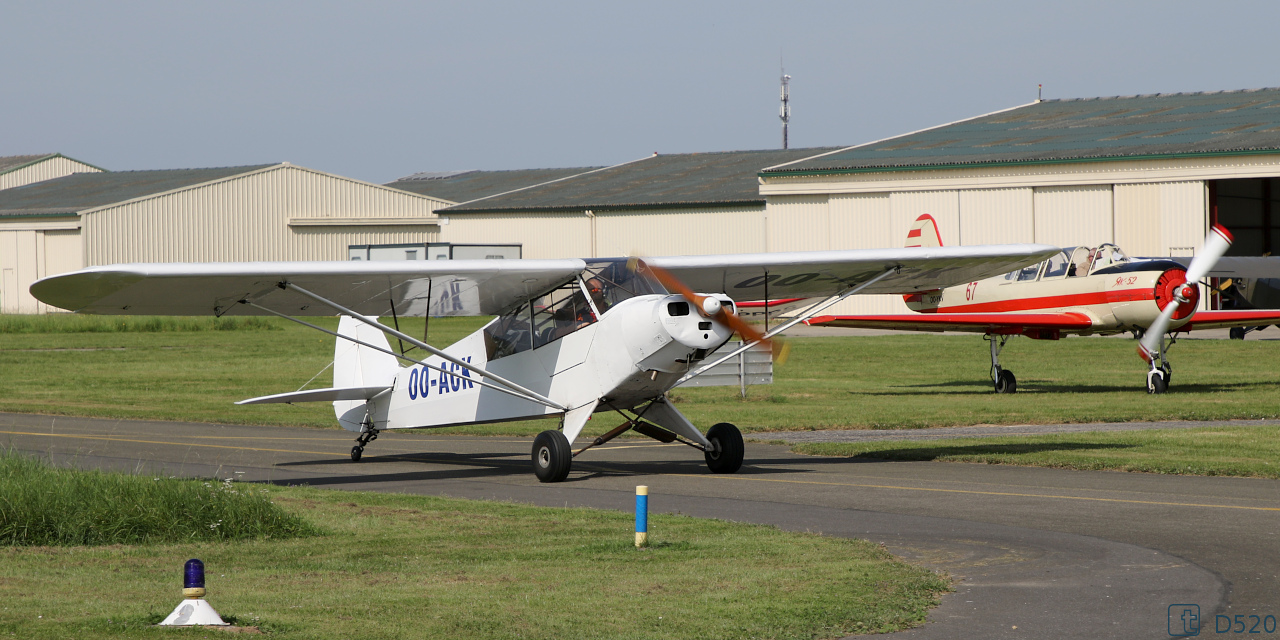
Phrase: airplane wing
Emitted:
{"points": [[997, 323], [410, 288], [811, 274], [1231, 318], [1239, 266]]}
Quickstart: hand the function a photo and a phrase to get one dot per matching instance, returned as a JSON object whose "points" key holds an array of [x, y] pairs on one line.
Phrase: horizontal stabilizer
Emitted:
{"points": [[319, 395]]}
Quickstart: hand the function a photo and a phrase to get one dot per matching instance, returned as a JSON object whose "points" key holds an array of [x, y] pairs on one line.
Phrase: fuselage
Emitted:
{"points": [[1115, 293], [634, 352]]}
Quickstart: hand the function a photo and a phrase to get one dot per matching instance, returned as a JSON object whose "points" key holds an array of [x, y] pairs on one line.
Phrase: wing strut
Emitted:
{"points": [[531, 395], [392, 353], [804, 315]]}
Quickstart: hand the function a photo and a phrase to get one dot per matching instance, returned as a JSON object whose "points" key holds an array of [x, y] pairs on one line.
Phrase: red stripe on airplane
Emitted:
{"points": [[1050, 302]]}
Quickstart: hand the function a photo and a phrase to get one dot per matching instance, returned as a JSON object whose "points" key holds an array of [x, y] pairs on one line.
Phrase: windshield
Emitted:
{"points": [[612, 282]]}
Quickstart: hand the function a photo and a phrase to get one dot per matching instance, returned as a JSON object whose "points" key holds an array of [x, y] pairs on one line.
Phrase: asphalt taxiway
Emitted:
{"points": [[1035, 552]]}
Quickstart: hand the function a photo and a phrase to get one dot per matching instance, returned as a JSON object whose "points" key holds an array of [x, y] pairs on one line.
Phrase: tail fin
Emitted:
{"points": [[356, 365], [924, 233]]}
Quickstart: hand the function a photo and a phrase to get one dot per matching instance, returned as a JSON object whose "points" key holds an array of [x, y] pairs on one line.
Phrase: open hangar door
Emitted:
{"points": [[1250, 209]]}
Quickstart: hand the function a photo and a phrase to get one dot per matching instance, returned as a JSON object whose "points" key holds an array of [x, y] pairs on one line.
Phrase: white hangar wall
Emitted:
{"points": [[617, 233], [283, 212], [33, 249]]}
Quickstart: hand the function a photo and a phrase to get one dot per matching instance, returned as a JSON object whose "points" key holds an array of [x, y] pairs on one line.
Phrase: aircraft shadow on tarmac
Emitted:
{"points": [[925, 452], [505, 464]]}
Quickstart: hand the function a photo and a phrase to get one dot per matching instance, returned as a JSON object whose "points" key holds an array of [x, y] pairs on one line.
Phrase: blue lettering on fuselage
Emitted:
{"points": [[454, 378]]}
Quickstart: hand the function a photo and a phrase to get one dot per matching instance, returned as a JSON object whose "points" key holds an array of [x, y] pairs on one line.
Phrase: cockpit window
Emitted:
{"points": [[509, 333], [1107, 255], [1024, 274], [1058, 264]]}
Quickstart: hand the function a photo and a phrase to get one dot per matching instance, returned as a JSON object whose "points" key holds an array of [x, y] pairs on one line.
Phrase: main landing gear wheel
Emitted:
{"points": [[551, 456], [727, 451], [1005, 382]]}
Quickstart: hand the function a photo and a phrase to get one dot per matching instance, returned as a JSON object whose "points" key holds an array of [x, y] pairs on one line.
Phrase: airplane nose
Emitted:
{"points": [[710, 306], [1167, 288]]}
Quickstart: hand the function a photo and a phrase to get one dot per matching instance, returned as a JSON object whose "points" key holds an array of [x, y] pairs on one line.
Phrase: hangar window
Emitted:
{"points": [[447, 251]]}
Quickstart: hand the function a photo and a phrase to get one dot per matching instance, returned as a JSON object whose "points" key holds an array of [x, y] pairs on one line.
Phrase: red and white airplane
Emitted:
{"points": [[1082, 291]]}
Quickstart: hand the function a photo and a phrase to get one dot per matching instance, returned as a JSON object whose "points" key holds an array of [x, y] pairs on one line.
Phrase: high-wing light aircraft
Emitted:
{"points": [[1078, 290], [571, 337]]}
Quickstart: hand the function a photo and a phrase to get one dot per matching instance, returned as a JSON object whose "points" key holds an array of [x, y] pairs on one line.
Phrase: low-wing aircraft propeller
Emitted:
{"points": [[1152, 346], [569, 338], [1080, 290]]}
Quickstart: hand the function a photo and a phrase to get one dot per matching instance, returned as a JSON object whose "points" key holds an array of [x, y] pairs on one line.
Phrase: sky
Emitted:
{"points": [[378, 90]]}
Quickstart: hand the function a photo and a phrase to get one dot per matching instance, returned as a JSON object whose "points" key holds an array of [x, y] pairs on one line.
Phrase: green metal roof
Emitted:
{"points": [[462, 186], [80, 191], [13, 163], [673, 180], [1088, 129]]}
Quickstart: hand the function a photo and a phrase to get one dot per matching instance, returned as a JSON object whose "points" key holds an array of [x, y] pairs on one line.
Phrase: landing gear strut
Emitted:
{"points": [[1161, 371], [1002, 378], [368, 435]]}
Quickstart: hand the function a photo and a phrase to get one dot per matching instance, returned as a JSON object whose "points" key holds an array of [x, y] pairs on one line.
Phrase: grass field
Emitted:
{"points": [[397, 566], [1210, 451], [901, 381]]}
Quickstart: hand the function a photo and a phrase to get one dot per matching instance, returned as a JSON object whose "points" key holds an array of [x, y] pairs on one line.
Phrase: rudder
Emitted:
{"points": [[924, 233], [355, 365]]}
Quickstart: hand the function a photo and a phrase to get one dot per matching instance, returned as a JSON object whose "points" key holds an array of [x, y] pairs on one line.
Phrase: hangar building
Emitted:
{"points": [[264, 212], [16, 171], [1148, 173]]}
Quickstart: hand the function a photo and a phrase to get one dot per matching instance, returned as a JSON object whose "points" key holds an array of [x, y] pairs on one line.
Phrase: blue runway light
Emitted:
{"points": [[193, 585]]}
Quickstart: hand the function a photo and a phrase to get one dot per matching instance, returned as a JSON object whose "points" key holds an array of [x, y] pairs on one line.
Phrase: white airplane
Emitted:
{"points": [[571, 337], [1079, 290]]}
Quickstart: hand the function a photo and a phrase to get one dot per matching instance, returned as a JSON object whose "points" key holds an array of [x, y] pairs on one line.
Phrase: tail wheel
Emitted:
{"points": [[551, 456], [1005, 382], [727, 448]]}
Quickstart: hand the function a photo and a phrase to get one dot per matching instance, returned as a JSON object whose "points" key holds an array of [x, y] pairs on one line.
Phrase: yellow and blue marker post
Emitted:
{"points": [[642, 516]]}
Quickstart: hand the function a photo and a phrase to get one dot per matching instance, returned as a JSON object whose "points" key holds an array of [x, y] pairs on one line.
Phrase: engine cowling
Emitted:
{"points": [[1166, 291]]}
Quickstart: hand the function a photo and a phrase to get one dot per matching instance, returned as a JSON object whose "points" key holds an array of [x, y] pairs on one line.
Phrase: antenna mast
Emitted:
{"points": [[785, 112]]}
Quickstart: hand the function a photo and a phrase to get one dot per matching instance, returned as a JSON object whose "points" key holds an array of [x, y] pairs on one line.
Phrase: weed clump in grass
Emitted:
{"points": [[78, 323], [44, 505]]}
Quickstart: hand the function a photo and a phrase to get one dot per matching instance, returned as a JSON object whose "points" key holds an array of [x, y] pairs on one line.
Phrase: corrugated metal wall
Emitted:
{"points": [[1073, 216], [673, 232], [797, 223], [543, 235], [996, 216], [1184, 211], [44, 170], [1137, 219], [246, 218]]}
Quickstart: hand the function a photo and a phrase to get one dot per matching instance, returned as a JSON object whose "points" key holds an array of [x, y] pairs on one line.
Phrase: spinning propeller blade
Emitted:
{"points": [[711, 308], [1215, 244]]}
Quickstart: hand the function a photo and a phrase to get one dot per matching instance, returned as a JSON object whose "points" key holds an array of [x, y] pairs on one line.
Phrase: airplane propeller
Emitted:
{"points": [[711, 308], [1215, 244]]}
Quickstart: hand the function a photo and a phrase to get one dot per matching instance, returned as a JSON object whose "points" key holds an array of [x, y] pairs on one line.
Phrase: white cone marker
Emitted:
{"points": [[193, 611]]}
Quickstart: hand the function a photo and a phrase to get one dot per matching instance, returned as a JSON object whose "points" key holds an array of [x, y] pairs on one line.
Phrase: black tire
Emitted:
{"points": [[551, 456], [728, 452], [1005, 382], [355, 453], [1236, 333], [1156, 384]]}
